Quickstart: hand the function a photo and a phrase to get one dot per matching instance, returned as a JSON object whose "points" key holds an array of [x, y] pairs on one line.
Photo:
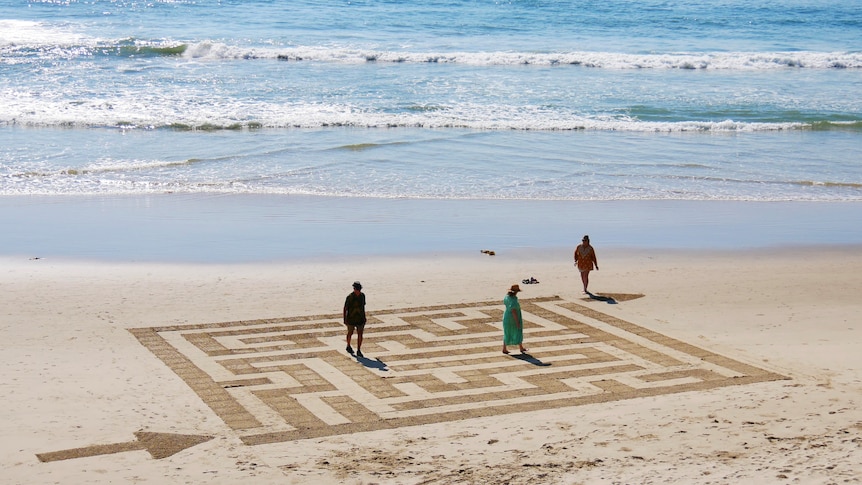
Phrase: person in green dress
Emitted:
{"points": [[513, 323]]}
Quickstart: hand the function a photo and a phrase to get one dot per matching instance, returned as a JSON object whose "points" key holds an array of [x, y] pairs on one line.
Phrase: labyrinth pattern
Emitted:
{"points": [[290, 378]]}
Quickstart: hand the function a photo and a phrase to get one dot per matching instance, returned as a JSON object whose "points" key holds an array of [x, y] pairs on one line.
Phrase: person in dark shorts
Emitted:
{"points": [[354, 317]]}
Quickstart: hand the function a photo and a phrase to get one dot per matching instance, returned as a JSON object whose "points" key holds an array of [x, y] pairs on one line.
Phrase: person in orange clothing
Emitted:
{"points": [[585, 260]]}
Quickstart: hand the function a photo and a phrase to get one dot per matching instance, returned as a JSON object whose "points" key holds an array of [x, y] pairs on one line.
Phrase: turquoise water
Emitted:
{"points": [[578, 101], [608, 100]]}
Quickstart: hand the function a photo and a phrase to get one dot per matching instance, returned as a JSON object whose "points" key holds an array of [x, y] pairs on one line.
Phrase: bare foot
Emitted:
{"points": [[505, 351], [523, 350]]}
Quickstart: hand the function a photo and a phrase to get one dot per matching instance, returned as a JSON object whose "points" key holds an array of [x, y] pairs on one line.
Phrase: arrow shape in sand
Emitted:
{"points": [[160, 445]]}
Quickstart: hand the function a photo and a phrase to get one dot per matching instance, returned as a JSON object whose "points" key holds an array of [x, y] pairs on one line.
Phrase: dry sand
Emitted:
{"points": [[74, 376]]}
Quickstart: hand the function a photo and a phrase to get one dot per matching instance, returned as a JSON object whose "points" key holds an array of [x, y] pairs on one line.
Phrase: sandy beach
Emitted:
{"points": [[190, 189], [80, 371]]}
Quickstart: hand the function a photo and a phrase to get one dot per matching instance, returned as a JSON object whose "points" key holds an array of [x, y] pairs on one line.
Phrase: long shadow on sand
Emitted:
{"points": [[530, 359], [610, 300], [373, 363]]}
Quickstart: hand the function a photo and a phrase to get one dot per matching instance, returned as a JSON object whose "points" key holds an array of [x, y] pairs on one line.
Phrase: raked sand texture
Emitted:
{"points": [[700, 367], [288, 379]]}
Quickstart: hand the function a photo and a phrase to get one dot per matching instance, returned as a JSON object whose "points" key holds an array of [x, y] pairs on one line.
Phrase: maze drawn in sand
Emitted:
{"points": [[286, 379]]}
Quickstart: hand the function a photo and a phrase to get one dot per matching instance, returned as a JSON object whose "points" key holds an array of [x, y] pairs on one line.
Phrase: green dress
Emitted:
{"points": [[513, 330]]}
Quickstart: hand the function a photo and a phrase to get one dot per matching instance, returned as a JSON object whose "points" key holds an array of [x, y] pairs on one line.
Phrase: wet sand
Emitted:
{"points": [[258, 228]]}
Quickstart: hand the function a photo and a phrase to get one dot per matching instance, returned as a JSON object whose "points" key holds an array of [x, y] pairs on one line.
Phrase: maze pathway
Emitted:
{"points": [[286, 379]]}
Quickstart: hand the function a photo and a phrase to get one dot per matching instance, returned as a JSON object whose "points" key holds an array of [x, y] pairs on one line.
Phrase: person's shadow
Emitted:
{"points": [[530, 359], [607, 299], [375, 363]]}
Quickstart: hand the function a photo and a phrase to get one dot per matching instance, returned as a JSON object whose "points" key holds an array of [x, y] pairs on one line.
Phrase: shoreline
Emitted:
{"points": [[204, 228]]}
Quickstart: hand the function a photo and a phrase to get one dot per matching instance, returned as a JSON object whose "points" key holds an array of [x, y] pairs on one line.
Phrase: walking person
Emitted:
{"points": [[585, 260], [513, 323], [354, 317]]}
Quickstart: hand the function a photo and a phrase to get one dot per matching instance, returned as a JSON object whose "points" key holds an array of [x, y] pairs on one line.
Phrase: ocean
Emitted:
{"points": [[443, 108]]}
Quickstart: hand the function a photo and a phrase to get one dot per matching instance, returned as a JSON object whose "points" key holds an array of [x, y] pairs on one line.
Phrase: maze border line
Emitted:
{"points": [[239, 419]]}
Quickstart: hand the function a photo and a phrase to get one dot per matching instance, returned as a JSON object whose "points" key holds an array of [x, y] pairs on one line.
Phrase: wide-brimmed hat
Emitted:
{"points": [[357, 285], [514, 289]]}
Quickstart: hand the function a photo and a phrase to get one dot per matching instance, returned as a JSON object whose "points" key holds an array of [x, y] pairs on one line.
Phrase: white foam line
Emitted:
{"points": [[746, 61]]}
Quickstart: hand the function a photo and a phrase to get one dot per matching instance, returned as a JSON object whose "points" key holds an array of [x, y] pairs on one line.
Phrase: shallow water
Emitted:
{"points": [[437, 164], [494, 100], [450, 125]]}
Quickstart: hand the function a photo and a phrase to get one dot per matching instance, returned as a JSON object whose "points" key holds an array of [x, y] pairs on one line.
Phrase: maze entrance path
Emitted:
{"points": [[290, 378]]}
